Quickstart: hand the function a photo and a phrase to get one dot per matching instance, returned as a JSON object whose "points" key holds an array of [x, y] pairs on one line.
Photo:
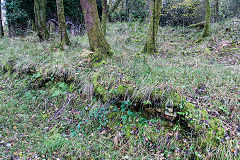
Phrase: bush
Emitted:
{"points": [[182, 13]]}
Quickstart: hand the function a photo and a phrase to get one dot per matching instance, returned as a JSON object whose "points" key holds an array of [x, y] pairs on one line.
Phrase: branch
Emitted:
{"points": [[114, 7]]}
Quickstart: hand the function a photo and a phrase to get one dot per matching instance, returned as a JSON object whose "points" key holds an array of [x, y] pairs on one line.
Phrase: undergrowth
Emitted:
{"points": [[180, 103]]}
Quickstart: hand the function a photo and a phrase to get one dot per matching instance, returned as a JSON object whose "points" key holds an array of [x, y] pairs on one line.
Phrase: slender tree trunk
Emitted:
{"points": [[236, 8], [150, 45], [104, 17], [1, 25], [216, 10], [62, 23], [98, 43], [40, 19], [206, 31], [10, 23], [131, 11], [129, 4], [12, 30]]}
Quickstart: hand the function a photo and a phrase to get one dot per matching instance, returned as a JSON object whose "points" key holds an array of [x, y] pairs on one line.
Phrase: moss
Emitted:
{"points": [[9, 66], [128, 131], [99, 89], [98, 64], [111, 91], [178, 99], [215, 133], [157, 93], [122, 89]]}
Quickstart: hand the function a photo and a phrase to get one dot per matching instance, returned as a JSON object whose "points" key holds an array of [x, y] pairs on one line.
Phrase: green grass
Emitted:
{"points": [[51, 108]]}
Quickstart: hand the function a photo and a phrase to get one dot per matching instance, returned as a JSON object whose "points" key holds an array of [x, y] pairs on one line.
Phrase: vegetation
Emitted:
{"points": [[87, 100]]}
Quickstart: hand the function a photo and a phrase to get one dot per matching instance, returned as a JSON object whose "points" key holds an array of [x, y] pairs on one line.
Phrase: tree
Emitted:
{"points": [[236, 5], [62, 23], [129, 4], [104, 16], [98, 43], [206, 30], [150, 45], [1, 25], [40, 19], [11, 17], [216, 10]]}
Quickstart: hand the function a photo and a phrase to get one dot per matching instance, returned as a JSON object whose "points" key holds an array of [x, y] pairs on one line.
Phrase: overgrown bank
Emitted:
{"points": [[194, 85]]}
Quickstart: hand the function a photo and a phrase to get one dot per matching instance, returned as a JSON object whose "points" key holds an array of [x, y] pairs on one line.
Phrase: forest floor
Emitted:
{"points": [[181, 103]]}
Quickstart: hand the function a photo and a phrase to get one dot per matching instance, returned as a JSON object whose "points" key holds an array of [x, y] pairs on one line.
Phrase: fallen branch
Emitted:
{"points": [[197, 25]]}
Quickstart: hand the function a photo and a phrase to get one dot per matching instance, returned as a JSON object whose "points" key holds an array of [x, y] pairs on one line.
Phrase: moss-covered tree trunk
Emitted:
{"points": [[104, 17], [62, 23], [216, 10], [1, 25], [150, 45], [236, 8], [40, 19], [130, 11], [129, 8], [98, 43], [206, 30]]}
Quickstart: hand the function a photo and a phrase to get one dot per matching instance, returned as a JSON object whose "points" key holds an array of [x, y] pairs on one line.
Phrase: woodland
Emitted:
{"points": [[120, 79]]}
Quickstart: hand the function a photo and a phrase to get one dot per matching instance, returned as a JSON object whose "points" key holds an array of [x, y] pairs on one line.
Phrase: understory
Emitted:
{"points": [[182, 102]]}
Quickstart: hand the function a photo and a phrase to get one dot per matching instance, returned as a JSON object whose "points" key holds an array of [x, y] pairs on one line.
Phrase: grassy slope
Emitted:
{"points": [[47, 122]]}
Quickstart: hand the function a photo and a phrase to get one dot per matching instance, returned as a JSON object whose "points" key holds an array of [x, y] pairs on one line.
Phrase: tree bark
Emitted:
{"points": [[150, 45], [11, 25], [129, 4], [131, 11], [104, 17], [40, 19], [98, 43], [236, 8], [62, 23], [216, 10], [1, 25], [206, 31]]}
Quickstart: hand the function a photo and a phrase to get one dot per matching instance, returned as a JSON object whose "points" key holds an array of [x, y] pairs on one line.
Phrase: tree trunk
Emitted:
{"points": [[216, 10], [131, 11], [129, 4], [104, 17], [1, 25], [12, 30], [236, 8], [206, 31], [40, 19], [97, 42], [62, 23], [150, 46], [11, 25]]}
